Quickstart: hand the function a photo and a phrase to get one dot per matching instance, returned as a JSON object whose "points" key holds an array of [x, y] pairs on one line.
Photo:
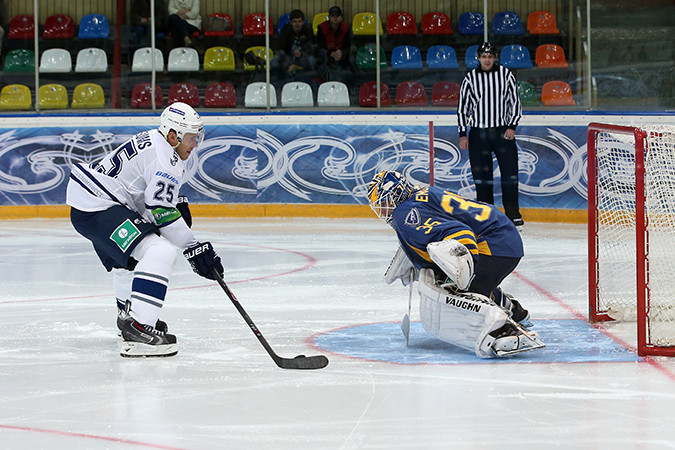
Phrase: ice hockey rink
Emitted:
{"points": [[312, 286]]}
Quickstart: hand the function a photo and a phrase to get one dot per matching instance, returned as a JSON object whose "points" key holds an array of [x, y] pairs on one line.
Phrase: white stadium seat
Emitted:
{"points": [[297, 94], [91, 60], [183, 59], [56, 60], [333, 93], [142, 61], [256, 96]]}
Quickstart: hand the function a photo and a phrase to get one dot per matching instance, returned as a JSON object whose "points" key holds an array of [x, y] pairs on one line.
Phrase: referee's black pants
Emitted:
{"points": [[483, 142]]}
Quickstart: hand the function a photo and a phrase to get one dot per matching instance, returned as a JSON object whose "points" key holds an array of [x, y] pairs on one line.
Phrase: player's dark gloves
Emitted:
{"points": [[184, 210], [204, 259]]}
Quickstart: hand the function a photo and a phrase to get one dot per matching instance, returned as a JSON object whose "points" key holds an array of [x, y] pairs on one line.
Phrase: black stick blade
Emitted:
{"points": [[303, 362]]}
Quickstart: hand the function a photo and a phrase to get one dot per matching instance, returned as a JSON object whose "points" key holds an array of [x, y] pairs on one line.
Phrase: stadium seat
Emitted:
{"points": [[401, 23], [184, 92], [411, 93], [471, 23], [442, 57], [368, 94], [220, 95], [542, 22], [91, 60], [22, 26], [471, 58], [333, 93], [366, 57], [256, 95], [364, 24], [142, 61], [219, 59], [283, 20], [15, 97], [406, 57], [59, 26], [557, 93], [20, 60], [56, 60], [507, 22], [226, 18], [53, 96], [183, 59], [318, 20], [435, 23], [297, 94], [88, 96], [527, 93], [445, 93], [550, 56], [515, 57], [254, 25], [141, 96], [94, 26], [258, 51]]}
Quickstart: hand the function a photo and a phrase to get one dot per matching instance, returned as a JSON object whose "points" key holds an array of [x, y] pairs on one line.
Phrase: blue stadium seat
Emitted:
{"points": [[94, 26], [406, 57], [471, 23], [471, 59], [507, 22], [442, 57], [515, 57]]}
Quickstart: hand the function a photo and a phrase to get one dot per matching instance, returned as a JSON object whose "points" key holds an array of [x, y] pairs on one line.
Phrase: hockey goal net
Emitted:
{"points": [[631, 231]]}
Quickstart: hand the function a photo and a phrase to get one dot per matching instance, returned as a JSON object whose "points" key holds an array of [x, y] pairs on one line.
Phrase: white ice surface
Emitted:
{"points": [[64, 385]]}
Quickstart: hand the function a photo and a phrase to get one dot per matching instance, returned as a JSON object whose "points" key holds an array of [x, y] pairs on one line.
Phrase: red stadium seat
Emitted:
{"points": [[445, 93], [141, 96], [225, 18], [184, 92], [401, 23], [411, 93], [254, 25], [542, 22], [557, 93], [436, 23], [368, 94], [22, 27], [59, 26], [550, 55], [220, 95]]}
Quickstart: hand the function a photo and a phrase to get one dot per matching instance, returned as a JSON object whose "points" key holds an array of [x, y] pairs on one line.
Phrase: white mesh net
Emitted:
{"points": [[616, 239]]}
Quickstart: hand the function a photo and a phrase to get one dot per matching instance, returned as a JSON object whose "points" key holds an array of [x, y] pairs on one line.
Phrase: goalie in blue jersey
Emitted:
{"points": [[462, 250]]}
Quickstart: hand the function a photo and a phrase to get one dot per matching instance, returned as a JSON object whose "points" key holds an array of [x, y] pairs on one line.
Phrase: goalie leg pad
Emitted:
{"points": [[470, 321]]}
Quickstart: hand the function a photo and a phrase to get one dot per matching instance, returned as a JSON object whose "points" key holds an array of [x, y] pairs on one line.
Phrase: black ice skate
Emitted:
{"points": [[140, 340], [123, 316]]}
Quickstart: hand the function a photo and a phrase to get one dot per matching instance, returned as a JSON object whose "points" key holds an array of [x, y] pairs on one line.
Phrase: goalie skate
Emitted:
{"points": [[513, 338]]}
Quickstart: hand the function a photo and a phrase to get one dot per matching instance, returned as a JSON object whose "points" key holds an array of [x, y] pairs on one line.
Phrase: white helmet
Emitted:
{"points": [[181, 118]]}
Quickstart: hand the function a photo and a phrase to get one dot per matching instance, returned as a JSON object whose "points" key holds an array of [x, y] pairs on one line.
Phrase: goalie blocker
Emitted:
{"points": [[471, 321]]}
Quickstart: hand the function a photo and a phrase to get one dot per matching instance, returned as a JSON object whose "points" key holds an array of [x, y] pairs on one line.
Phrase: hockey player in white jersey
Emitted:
{"points": [[127, 205]]}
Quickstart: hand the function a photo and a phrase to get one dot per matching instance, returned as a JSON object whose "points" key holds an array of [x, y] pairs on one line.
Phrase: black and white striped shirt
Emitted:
{"points": [[488, 100]]}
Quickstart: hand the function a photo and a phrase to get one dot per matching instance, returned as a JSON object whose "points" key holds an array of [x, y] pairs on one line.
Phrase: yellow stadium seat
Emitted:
{"points": [[53, 96], [15, 96], [364, 24], [257, 51], [318, 20], [218, 59], [88, 96]]}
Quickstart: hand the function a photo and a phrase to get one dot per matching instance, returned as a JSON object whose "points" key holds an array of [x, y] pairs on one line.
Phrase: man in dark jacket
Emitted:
{"points": [[297, 41]]}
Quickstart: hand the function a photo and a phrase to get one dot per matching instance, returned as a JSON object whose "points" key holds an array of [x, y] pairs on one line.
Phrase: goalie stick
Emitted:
{"points": [[299, 362], [405, 323]]}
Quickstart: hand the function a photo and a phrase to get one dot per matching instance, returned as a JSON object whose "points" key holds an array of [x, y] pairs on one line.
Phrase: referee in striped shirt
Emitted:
{"points": [[489, 105]]}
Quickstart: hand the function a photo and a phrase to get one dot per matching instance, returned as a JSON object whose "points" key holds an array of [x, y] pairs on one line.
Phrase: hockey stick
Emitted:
{"points": [[299, 362], [405, 323]]}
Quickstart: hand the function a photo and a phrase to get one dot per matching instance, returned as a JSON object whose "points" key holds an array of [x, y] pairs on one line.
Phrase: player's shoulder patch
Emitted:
{"points": [[413, 218]]}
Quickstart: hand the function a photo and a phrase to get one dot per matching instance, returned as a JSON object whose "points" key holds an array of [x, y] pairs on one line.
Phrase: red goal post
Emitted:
{"points": [[631, 231]]}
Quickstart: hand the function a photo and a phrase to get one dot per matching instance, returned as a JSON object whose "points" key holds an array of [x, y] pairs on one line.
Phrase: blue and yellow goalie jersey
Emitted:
{"points": [[433, 214]]}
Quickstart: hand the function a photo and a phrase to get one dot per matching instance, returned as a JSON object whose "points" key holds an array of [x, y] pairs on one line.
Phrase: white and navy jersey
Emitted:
{"points": [[488, 99], [144, 174]]}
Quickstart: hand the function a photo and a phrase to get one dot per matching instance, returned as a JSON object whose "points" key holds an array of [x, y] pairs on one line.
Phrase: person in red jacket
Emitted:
{"points": [[334, 39]]}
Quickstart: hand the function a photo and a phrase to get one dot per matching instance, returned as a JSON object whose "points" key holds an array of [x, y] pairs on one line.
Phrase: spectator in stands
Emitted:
{"points": [[297, 46], [334, 39], [140, 19], [184, 20]]}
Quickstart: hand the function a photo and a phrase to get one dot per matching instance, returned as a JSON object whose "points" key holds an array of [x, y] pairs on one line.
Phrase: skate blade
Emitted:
{"points": [[532, 344], [140, 350]]}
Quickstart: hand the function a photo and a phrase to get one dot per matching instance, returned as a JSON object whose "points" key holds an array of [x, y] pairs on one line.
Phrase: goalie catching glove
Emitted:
{"points": [[203, 260], [454, 259]]}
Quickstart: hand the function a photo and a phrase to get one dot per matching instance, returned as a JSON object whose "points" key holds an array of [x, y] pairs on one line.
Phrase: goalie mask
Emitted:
{"points": [[388, 190], [183, 119]]}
